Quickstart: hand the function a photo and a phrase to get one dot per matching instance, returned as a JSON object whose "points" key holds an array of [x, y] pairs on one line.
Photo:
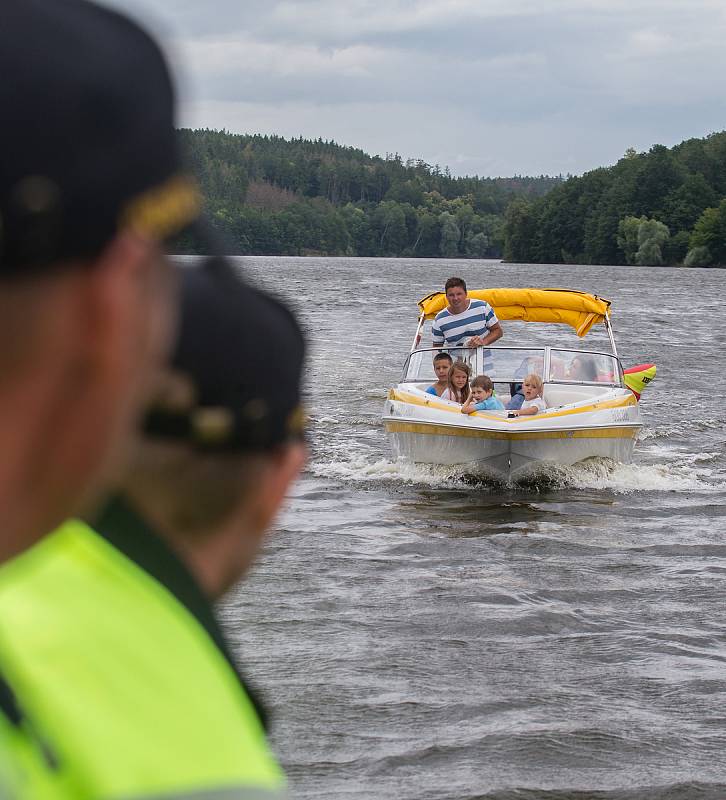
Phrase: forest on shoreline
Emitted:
{"points": [[266, 195], [666, 206]]}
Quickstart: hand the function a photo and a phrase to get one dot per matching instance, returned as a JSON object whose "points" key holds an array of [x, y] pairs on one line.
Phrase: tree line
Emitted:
{"points": [[665, 206], [267, 195]]}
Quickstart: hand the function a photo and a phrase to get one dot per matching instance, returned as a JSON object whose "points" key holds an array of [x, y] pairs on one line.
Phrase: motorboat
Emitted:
{"points": [[592, 404]]}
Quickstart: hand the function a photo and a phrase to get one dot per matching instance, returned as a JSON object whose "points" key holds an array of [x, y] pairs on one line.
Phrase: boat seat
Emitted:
{"points": [[561, 395]]}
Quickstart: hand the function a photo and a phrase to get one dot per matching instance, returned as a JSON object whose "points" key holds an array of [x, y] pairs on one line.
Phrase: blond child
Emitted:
{"points": [[482, 396], [533, 402]]}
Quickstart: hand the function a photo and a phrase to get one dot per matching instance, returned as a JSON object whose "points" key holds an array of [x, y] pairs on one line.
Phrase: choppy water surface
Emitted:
{"points": [[419, 634]]}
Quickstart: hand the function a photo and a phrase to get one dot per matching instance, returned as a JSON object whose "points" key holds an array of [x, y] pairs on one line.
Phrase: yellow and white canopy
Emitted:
{"points": [[579, 310]]}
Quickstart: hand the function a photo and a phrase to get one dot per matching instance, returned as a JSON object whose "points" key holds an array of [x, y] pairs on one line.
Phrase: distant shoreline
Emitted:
{"points": [[267, 195], [489, 261]]}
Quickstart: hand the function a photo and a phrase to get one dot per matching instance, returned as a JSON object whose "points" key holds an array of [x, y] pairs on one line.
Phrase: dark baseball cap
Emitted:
{"points": [[238, 367], [88, 145]]}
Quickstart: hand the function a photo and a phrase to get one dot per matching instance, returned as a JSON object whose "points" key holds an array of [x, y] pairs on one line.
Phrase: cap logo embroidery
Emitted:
{"points": [[212, 425], [163, 210]]}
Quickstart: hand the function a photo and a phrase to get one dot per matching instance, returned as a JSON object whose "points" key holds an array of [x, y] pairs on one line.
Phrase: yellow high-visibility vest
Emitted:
{"points": [[112, 646], [29, 767]]}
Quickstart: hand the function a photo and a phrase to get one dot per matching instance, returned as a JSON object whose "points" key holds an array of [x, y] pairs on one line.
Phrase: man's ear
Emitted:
{"points": [[282, 469]]}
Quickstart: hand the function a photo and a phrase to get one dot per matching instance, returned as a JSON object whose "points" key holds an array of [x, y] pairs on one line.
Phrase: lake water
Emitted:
{"points": [[421, 636]]}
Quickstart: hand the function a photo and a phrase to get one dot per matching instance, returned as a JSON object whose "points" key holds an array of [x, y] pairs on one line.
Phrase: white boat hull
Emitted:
{"points": [[425, 429]]}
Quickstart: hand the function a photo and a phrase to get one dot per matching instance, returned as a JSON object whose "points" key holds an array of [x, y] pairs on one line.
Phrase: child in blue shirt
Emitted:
{"points": [[442, 365], [482, 396]]}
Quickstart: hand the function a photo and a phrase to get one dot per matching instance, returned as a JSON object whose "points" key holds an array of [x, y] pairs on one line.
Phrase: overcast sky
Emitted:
{"points": [[488, 87]]}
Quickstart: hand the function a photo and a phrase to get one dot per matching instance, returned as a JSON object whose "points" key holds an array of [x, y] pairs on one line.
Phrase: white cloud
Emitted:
{"points": [[240, 55], [488, 86], [650, 42]]}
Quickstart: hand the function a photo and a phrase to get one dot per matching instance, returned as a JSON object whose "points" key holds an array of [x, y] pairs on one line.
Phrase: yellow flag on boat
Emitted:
{"points": [[638, 377], [579, 310]]}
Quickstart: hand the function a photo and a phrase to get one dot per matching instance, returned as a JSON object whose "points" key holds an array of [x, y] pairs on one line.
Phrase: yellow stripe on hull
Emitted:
{"points": [[414, 400], [476, 433]]}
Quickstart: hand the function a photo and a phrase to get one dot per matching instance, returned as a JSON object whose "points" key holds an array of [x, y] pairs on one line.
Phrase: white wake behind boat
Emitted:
{"points": [[590, 409]]}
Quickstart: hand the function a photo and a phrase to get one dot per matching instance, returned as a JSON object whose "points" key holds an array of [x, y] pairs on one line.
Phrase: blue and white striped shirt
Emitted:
{"points": [[452, 330]]}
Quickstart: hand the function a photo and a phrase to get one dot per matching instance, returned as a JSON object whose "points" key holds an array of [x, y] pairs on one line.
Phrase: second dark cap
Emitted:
{"points": [[239, 359]]}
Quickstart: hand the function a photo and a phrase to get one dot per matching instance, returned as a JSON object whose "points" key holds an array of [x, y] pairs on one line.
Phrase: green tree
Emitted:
{"points": [[628, 237], [521, 231], [652, 236], [642, 240], [477, 245], [676, 248], [613, 203], [563, 217], [409, 191], [428, 234], [493, 226], [257, 233], [389, 221], [698, 257], [658, 175], [362, 238], [450, 235], [464, 218], [710, 233], [681, 208]]}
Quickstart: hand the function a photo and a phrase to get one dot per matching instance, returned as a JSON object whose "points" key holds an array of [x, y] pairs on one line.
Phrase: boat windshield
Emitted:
{"points": [[419, 365], [513, 364], [502, 364]]}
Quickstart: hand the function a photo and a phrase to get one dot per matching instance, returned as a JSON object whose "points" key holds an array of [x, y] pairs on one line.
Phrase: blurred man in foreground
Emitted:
{"points": [[90, 187], [115, 646]]}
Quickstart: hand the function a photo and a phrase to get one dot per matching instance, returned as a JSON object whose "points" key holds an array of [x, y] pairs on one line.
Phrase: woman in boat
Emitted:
{"points": [[582, 368], [458, 388], [533, 401]]}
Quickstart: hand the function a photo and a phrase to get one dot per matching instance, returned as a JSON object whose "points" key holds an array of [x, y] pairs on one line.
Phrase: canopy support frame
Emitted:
{"points": [[417, 335], [609, 328]]}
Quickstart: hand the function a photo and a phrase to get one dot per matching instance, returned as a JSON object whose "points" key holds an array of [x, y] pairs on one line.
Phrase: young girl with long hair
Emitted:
{"points": [[458, 388]]}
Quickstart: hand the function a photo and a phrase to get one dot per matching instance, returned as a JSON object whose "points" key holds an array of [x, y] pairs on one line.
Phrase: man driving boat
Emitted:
{"points": [[464, 322]]}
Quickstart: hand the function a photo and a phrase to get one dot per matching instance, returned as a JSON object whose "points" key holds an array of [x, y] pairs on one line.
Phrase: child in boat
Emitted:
{"points": [[517, 396], [531, 364], [458, 388], [533, 402], [442, 365], [482, 396]]}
